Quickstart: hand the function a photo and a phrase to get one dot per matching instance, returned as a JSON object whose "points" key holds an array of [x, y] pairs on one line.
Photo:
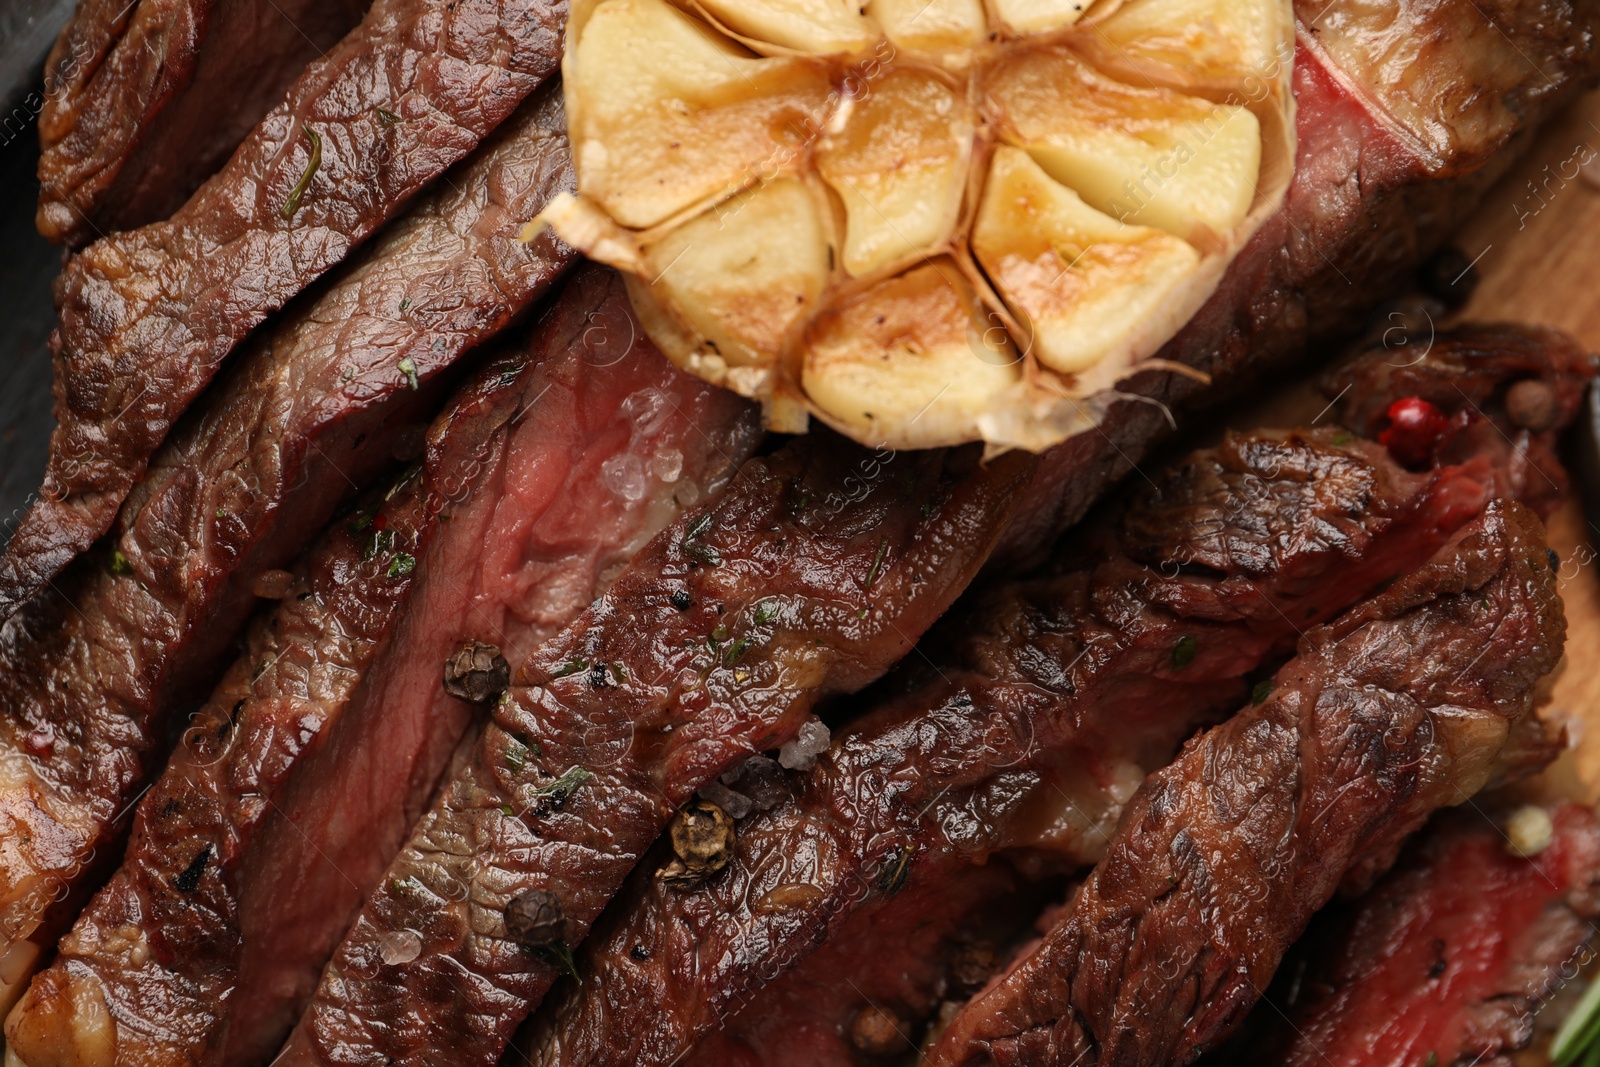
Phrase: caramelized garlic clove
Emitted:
{"points": [[900, 167], [912, 360], [666, 114], [1090, 289]]}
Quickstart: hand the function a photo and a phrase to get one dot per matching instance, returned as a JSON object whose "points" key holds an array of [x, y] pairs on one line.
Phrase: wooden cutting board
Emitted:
{"points": [[1537, 243]]}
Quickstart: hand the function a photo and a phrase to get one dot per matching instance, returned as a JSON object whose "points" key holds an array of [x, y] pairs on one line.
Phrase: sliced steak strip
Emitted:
{"points": [[819, 568], [1055, 696], [1447, 961], [1396, 709], [145, 100], [316, 405], [148, 316], [303, 774]]}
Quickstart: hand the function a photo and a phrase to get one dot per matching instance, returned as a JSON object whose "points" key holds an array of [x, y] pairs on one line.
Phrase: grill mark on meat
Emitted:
{"points": [[1362, 212], [315, 405], [144, 101], [1394, 710], [1451, 955], [509, 530], [816, 570], [148, 316], [1074, 672]]}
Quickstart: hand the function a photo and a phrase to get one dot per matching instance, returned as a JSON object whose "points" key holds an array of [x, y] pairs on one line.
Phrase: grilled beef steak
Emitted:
{"points": [[1447, 961], [312, 408], [1055, 696], [148, 316], [815, 571], [1396, 709], [145, 100], [307, 768]]}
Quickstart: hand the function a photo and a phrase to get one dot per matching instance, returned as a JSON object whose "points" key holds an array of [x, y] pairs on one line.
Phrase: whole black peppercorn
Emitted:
{"points": [[703, 839], [477, 672], [534, 919]]}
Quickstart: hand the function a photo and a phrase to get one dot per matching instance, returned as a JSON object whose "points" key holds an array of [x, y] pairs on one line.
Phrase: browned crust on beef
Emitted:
{"points": [[1392, 711], [143, 101], [1454, 955], [814, 572], [313, 408], [1235, 548], [166, 955], [148, 316]]}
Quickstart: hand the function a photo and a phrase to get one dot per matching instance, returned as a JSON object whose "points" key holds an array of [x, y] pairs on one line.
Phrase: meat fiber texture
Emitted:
{"points": [[317, 404], [1054, 695], [1452, 956], [145, 100], [147, 317], [816, 571], [302, 775], [1394, 710]]}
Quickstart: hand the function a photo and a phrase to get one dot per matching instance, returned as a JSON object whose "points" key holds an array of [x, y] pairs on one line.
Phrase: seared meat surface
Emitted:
{"points": [[811, 575], [317, 404], [541, 479], [148, 316], [1448, 960], [1048, 700], [1394, 710], [145, 100]]}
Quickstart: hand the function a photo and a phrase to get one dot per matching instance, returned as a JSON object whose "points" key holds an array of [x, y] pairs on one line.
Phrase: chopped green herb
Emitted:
{"points": [[559, 956], [720, 633], [1432, 1060], [559, 791], [736, 651], [896, 869], [1183, 652], [699, 526], [506, 810], [409, 369], [387, 117], [877, 562], [1260, 693], [119, 564], [291, 205], [516, 757], [380, 541], [363, 518], [572, 666], [766, 611], [260, 669], [405, 302], [1341, 438], [402, 564]]}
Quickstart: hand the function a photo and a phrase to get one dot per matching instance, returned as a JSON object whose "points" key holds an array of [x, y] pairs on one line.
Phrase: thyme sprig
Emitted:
{"points": [[291, 205]]}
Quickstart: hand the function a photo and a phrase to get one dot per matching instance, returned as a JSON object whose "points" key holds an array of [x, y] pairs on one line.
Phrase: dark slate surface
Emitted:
{"points": [[28, 263]]}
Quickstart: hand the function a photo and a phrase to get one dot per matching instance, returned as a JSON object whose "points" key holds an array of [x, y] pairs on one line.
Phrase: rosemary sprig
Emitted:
{"points": [[291, 205], [1580, 1033]]}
